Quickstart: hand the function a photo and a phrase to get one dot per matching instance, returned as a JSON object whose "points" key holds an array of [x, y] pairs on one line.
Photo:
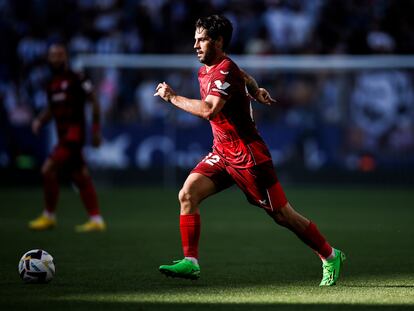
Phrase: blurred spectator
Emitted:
{"points": [[381, 102], [108, 92], [149, 107], [160, 26], [289, 25], [381, 109], [80, 43]]}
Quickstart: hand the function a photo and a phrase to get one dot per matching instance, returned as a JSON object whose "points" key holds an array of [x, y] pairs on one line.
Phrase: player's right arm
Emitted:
{"points": [[44, 117], [205, 109]]}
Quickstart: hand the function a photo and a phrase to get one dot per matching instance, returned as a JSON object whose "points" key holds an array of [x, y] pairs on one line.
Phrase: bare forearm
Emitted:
{"points": [[205, 109], [196, 107], [251, 83], [260, 94]]}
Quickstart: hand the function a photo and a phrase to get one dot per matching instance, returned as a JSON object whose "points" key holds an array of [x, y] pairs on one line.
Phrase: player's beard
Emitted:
{"points": [[209, 56]]}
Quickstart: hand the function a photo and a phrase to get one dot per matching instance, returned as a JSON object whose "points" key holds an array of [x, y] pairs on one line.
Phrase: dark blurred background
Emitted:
{"points": [[350, 125]]}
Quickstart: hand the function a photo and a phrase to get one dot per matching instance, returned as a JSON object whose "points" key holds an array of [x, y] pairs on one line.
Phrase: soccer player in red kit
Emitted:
{"points": [[239, 155], [68, 92]]}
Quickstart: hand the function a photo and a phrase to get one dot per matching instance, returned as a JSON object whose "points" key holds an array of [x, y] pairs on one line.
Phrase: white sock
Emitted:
{"points": [[193, 260], [97, 218], [331, 256], [49, 214]]}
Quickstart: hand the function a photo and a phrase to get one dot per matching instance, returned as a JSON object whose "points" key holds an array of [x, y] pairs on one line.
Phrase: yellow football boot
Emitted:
{"points": [[91, 226], [42, 223]]}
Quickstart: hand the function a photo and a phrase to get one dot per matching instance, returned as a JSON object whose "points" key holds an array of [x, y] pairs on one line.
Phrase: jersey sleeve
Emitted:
{"points": [[222, 82]]}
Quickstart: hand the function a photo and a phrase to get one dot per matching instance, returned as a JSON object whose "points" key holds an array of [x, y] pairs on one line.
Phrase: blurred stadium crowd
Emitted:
{"points": [[374, 112]]}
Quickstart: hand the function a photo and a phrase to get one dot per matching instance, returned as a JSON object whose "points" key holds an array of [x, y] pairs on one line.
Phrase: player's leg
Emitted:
{"points": [[83, 181], [306, 230], [195, 189], [209, 177], [51, 195], [309, 233], [262, 188]]}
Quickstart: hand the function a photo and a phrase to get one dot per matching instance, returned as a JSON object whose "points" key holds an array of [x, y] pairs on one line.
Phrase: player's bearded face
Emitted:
{"points": [[57, 59], [204, 46]]}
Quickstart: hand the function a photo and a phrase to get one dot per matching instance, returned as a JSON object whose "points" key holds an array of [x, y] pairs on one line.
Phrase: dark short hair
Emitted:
{"points": [[216, 26]]}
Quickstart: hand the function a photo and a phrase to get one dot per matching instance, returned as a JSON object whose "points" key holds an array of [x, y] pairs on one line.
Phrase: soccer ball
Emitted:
{"points": [[36, 266]]}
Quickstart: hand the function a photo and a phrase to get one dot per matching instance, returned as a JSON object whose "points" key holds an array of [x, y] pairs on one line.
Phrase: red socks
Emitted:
{"points": [[90, 199], [86, 190], [87, 193], [315, 240], [190, 234]]}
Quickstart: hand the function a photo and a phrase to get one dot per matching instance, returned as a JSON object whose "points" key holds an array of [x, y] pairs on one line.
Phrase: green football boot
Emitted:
{"points": [[332, 268], [183, 268]]}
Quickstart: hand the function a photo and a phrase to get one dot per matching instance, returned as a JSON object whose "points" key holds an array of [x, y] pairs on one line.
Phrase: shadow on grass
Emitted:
{"points": [[377, 286], [138, 306]]}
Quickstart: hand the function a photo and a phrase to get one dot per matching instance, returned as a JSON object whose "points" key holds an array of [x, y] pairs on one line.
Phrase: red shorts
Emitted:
{"points": [[68, 156], [259, 183]]}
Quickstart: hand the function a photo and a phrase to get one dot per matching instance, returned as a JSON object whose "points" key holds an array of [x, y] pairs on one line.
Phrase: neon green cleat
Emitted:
{"points": [[332, 269], [184, 268]]}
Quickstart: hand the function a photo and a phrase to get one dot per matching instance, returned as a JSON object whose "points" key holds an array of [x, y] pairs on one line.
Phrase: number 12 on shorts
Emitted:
{"points": [[211, 159]]}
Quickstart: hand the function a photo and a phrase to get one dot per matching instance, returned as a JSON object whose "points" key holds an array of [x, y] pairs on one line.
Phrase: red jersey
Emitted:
{"points": [[236, 138], [67, 94]]}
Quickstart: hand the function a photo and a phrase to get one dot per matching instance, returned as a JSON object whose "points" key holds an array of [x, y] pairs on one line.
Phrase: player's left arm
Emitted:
{"points": [[206, 109], [96, 119], [91, 97], [258, 93]]}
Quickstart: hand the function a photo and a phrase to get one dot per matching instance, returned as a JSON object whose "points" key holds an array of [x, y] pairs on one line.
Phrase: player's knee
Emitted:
{"points": [[185, 196], [187, 200], [47, 170]]}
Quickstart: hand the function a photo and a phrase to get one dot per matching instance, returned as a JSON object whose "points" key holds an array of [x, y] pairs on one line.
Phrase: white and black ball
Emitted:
{"points": [[36, 266]]}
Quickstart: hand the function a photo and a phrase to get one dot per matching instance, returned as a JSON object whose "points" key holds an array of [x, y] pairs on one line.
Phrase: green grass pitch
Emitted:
{"points": [[248, 262]]}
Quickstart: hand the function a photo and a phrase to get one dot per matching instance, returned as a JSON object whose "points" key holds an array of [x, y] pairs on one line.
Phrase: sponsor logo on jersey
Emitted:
{"points": [[224, 72], [220, 85]]}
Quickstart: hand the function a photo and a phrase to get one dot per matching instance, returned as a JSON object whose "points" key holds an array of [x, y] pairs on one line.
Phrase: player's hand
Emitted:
{"points": [[263, 97], [165, 91], [96, 139], [36, 125]]}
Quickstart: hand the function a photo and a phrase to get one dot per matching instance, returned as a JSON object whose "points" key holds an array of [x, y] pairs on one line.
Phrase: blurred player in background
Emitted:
{"points": [[239, 154], [68, 92]]}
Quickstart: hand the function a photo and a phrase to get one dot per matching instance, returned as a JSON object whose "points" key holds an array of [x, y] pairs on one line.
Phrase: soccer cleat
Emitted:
{"points": [[91, 226], [332, 268], [184, 268], [42, 223]]}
